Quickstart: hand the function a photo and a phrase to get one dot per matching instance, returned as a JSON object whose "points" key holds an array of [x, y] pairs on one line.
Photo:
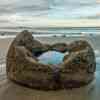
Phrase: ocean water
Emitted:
{"points": [[51, 31]]}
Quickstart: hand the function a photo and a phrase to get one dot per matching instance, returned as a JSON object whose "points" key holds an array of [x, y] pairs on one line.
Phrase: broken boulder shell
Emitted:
{"points": [[76, 69]]}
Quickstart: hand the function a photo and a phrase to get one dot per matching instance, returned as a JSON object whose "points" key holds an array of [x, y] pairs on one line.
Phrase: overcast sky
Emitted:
{"points": [[26, 11], [52, 8]]}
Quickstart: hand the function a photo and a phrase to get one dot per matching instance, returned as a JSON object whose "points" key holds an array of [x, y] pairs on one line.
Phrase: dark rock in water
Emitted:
{"points": [[23, 67], [2, 34]]}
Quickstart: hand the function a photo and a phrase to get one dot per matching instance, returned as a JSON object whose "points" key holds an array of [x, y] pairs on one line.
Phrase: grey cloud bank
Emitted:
{"points": [[52, 8], [24, 12]]}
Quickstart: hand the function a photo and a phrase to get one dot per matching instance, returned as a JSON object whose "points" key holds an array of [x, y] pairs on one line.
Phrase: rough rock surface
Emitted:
{"points": [[62, 47], [76, 69]]}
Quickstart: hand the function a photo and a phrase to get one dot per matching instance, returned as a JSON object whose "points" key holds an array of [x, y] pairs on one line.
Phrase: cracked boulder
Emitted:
{"points": [[23, 67]]}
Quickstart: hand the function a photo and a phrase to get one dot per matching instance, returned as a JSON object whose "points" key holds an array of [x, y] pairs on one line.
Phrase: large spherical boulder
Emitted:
{"points": [[23, 66]]}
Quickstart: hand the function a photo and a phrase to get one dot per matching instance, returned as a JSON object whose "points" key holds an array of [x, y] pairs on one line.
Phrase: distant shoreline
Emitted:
{"points": [[45, 35], [50, 30]]}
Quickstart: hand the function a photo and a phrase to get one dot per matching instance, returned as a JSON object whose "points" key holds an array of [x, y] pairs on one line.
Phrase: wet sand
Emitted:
{"points": [[12, 91], [4, 45]]}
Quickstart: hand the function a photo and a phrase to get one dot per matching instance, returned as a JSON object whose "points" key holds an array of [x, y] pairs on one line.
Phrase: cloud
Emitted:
{"points": [[51, 8], [22, 6], [7, 2], [97, 1]]}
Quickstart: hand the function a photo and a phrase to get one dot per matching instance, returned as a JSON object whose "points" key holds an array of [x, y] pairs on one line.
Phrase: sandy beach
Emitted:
{"points": [[4, 45]]}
